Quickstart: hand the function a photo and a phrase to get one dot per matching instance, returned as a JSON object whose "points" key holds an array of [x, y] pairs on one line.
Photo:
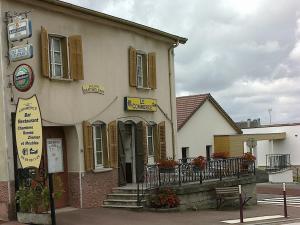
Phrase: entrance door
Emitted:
{"points": [[127, 164], [60, 179]]}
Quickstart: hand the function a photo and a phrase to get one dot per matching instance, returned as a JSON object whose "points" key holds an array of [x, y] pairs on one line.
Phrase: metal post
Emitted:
{"points": [[52, 204], [241, 205], [179, 174], [284, 201]]}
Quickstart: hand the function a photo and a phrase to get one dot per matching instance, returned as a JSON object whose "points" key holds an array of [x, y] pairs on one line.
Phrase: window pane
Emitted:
{"points": [[99, 158], [150, 146], [57, 57], [58, 70], [56, 44], [98, 131], [98, 145]]}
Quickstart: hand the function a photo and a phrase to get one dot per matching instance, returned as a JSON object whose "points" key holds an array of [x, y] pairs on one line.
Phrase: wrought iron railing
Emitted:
{"points": [[185, 172], [277, 162]]}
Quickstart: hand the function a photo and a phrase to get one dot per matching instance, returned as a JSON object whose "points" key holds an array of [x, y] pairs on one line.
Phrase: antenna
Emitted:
{"points": [[270, 115]]}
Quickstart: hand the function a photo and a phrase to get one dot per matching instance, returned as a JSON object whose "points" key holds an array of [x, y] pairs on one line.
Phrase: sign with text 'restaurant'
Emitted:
{"points": [[140, 104], [19, 29], [28, 128]]}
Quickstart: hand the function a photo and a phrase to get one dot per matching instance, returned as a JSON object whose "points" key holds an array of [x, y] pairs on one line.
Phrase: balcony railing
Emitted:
{"points": [[277, 162], [185, 172]]}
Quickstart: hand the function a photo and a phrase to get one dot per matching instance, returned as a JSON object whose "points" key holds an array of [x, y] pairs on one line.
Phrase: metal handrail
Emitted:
{"points": [[277, 162]]}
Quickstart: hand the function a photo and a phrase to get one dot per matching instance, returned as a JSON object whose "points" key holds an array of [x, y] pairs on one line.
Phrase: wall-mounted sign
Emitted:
{"points": [[19, 29], [23, 77], [55, 155], [21, 52], [29, 132], [140, 104], [92, 88]]}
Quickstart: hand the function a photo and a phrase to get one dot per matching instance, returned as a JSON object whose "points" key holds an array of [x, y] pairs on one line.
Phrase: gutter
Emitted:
{"points": [[171, 52]]}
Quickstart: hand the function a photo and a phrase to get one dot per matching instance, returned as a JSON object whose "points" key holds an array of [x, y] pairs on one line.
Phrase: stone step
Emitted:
{"points": [[125, 191], [122, 206], [119, 202], [123, 196]]}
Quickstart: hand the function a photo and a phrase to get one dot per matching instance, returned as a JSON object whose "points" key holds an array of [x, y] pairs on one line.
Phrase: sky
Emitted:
{"points": [[246, 53]]}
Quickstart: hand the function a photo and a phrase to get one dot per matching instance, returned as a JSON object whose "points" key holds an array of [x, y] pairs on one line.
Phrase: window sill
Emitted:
{"points": [[143, 88], [102, 170], [61, 79]]}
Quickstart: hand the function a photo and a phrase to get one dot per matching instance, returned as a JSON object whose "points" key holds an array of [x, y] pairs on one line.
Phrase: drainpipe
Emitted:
{"points": [[171, 53]]}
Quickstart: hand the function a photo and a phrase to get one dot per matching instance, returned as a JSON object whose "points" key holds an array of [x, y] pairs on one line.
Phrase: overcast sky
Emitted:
{"points": [[246, 53]]}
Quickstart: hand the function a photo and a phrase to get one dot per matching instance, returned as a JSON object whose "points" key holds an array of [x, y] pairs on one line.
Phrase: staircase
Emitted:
{"points": [[124, 197]]}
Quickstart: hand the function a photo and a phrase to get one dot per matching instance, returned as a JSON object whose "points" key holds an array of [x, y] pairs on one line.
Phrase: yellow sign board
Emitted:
{"points": [[92, 88], [140, 104], [29, 132]]}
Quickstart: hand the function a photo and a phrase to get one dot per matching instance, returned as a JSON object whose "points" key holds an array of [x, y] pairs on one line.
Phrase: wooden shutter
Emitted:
{"points": [[76, 57], [145, 71], [162, 140], [132, 67], [88, 146], [121, 154], [156, 144], [113, 144], [64, 46], [140, 150], [45, 52], [145, 143], [104, 145], [152, 70]]}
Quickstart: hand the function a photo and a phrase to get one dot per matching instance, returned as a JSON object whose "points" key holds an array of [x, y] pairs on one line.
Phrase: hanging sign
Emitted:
{"points": [[23, 77], [19, 29], [29, 132], [21, 52], [55, 155], [140, 104], [92, 88]]}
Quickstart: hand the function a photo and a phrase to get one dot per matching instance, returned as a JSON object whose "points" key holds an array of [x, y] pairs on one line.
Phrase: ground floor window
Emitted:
{"points": [[150, 141], [98, 144]]}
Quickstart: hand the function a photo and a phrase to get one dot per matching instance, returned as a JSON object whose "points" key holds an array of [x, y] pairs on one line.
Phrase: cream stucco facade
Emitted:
{"points": [[198, 132], [105, 44]]}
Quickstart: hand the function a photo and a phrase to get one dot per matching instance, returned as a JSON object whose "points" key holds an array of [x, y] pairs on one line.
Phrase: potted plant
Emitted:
{"points": [[164, 198], [199, 163], [34, 202], [247, 159], [167, 165], [220, 155]]}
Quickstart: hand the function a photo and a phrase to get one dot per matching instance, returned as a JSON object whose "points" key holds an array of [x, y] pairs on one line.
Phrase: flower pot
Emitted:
{"points": [[34, 218]]}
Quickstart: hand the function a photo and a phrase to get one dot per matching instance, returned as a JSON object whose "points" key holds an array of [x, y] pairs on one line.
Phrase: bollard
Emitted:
{"points": [[241, 205], [284, 201]]}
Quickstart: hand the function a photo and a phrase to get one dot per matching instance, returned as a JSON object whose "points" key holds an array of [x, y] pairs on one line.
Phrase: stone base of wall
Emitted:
{"points": [[203, 196], [95, 187], [7, 207]]}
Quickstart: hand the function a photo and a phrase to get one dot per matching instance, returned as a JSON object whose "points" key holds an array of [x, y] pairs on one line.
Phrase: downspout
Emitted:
{"points": [[171, 52]]}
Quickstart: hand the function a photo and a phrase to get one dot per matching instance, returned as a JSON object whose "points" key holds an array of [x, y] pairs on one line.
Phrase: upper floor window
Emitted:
{"points": [[142, 69], [62, 57]]}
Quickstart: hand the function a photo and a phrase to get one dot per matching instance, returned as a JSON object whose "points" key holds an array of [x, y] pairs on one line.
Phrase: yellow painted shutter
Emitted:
{"points": [[88, 146], [104, 145], [145, 146], [156, 144], [64, 46], [132, 67], [76, 57], [152, 70], [113, 144], [162, 140], [45, 52]]}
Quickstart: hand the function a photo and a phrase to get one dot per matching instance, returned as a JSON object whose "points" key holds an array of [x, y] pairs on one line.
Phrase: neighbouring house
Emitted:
{"points": [[201, 125], [277, 154], [105, 87]]}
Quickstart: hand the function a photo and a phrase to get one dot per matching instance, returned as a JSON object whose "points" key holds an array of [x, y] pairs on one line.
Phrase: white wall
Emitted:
{"points": [[200, 129], [290, 145]]}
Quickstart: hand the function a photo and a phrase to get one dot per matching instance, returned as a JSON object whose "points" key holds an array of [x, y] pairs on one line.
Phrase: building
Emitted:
{"points": [[249, 123], [281, 151], [201, 121], [105, 87]]}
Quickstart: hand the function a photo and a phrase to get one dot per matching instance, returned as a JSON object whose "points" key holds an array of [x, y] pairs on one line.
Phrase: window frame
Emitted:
{"points": [[65, 73], [144, 69], [94, 127]]}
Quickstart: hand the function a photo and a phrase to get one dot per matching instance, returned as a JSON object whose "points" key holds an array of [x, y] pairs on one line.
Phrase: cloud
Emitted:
{"points": [[246, 53]]}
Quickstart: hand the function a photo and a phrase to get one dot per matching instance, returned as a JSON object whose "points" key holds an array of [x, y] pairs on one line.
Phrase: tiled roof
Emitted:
{"points": [[186, 106]]}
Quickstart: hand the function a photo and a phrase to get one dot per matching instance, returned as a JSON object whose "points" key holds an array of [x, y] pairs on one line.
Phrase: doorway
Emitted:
{"points": [[184, 154], [60, 179], [127, 160]]}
